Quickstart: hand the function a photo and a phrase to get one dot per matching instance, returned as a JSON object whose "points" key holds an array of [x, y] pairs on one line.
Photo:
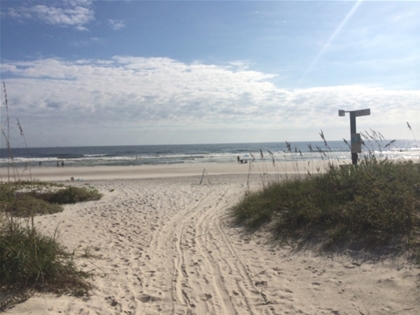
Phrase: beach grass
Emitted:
{"points": [[375, 203], [29, 260], [24, 199]]}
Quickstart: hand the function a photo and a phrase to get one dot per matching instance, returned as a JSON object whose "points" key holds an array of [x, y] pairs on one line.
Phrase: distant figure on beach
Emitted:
{"points": [[58, 164], [40, 164], [62, 163], [242, 161]]}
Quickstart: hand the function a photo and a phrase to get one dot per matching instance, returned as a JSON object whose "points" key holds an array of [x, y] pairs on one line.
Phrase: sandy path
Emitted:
{"points": [[167, 246]]}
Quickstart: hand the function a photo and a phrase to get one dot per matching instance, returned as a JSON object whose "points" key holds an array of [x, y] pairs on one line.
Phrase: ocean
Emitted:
{"points": [[204, 153]]}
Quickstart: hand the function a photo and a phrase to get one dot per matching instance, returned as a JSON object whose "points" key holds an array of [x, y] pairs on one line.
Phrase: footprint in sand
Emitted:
{"points": [[205, 297], [260, 283], [113, 302], [145, 298]]}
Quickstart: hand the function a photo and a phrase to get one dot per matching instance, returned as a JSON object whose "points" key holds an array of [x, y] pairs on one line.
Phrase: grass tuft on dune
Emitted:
{"points": [[375, 203], [29, 260]]}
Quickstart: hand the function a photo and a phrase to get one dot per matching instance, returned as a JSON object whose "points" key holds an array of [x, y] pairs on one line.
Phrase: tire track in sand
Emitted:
{"points": [[187, 266], [223, 257], [204, 295], [167, 251], [192, 298], [188, 287]]}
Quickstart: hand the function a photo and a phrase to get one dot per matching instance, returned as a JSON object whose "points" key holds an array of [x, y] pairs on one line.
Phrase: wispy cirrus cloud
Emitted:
{"points": [[70, 13], [164, 93], [117, 24]]}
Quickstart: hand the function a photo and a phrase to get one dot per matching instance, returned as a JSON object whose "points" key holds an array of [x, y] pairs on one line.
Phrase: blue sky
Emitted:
{"points": [[84, 72]]}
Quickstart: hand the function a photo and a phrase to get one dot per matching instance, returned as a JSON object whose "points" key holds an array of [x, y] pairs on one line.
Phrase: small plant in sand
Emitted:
{"points": [[32, 261]]}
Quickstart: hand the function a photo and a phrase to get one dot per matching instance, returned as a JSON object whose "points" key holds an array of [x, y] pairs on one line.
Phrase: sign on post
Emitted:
{"points": [[356, 143]]}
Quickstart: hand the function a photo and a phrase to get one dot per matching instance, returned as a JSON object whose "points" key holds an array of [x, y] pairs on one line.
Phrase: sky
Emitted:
{"points": [[83, 73]]}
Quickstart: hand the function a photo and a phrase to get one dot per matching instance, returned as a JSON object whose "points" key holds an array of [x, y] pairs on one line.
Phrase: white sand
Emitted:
{"points": [[159, 171], [166, 246]]}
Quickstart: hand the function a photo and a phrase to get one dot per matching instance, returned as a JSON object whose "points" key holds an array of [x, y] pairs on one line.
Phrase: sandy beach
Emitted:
{"points": [[162, 243], [86, 173]]}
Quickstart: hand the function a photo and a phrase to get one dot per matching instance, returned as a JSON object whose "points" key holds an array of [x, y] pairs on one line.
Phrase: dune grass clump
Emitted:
{"points": [[30, 261], [71, 195], [27, 206], [372, 204], [26, 199]]}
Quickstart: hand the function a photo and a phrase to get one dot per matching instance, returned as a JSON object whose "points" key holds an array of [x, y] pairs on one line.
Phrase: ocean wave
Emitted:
{"points": [[222, 153]]}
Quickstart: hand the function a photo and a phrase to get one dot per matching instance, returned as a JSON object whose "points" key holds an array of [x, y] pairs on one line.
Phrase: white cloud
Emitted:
{"points": [[72, 13], [164, 94], [117, 24]]}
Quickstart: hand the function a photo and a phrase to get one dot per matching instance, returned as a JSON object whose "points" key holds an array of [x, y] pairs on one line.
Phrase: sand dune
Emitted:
{"points": [[168, 246]]}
